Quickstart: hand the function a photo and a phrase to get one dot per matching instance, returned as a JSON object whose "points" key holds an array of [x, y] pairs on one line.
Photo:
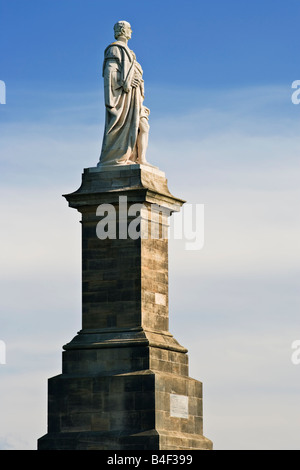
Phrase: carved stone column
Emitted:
{"points": [[124, 382]]}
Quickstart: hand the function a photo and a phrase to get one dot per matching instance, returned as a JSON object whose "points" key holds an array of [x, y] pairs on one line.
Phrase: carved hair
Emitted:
{"points": [[121, 28]]}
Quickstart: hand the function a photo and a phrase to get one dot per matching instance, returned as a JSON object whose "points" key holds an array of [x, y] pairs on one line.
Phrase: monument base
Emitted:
{"points": [[149, 440], [145, 410], [124, 382]]}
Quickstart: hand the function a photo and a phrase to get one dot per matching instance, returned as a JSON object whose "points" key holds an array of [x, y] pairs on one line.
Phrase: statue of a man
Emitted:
{"points": [[126, 123]]}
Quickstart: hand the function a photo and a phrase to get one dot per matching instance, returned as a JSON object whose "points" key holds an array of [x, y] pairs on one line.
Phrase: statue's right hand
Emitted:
{"points": [[112, 110]]}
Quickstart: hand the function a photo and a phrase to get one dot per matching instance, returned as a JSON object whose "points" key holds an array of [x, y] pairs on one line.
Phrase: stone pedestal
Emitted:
{"points": [[124, 382]]}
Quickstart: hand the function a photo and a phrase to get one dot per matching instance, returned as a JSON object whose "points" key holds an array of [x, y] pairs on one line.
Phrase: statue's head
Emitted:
{"points": [[122, 28]]}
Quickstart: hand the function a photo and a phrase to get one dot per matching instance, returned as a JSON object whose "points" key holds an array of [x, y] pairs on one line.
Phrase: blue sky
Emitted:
{"points": [[223, 127], [232, 43]]}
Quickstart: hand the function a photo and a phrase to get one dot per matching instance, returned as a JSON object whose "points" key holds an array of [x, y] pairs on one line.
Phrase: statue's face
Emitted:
{"points": [[128, 31]]}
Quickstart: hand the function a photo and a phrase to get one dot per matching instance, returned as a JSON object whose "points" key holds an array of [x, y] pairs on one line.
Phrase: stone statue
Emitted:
{"points": [[126, 122]]}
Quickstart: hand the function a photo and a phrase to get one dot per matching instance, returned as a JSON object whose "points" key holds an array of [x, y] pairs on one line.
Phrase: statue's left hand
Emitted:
{"points": [[135, 82]]}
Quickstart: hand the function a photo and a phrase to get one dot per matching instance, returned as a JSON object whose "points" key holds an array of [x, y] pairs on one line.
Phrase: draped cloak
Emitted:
{"points": [[124, 105]]}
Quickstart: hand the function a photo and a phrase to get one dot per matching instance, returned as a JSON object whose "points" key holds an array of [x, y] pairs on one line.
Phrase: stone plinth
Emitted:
{"points": [[124, 382]]}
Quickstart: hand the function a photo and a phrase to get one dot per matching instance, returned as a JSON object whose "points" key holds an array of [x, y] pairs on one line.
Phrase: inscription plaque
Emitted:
{"points": [[160, 299], [179, 406]]}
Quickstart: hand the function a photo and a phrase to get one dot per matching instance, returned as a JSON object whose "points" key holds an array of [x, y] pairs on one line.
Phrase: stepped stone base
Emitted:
{"points": [[132, 411], [149, 440]]}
